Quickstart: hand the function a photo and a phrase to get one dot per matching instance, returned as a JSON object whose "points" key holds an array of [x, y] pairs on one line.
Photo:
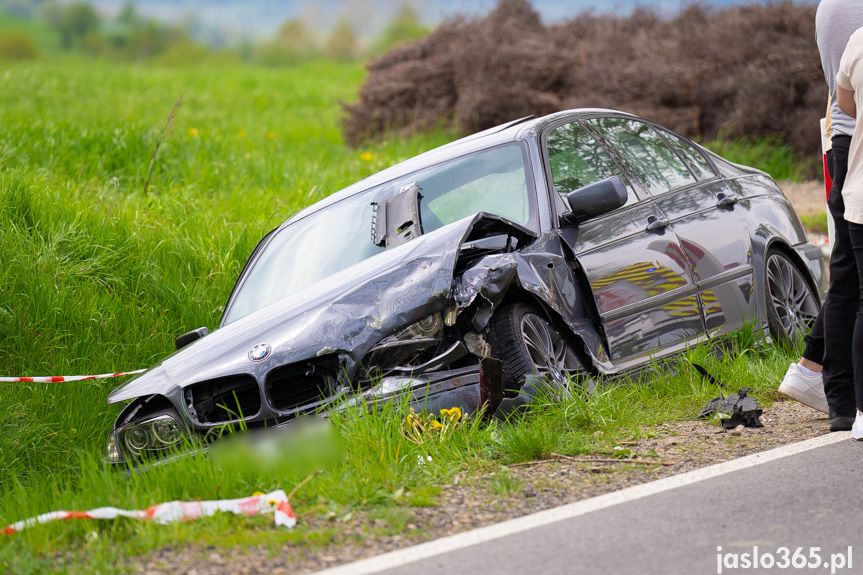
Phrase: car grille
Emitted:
{"points": [[301, 383], [224, 399]]}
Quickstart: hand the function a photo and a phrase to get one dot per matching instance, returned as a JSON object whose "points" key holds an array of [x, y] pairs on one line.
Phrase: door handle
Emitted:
{"points": [[654, 223], [726, 201]]}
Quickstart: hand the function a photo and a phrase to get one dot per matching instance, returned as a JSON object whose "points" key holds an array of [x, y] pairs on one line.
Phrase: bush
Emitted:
{"points": [[754, 70], [405, 26], [342, 42], [73, 22], [17, 46], [292, 45]]}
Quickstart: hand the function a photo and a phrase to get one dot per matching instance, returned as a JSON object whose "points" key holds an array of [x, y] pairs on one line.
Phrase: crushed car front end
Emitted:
{"points": [[359, 294], [401, 325]]}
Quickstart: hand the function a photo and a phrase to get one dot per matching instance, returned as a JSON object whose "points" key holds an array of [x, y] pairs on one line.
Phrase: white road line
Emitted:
{"points": [[483, 534]]}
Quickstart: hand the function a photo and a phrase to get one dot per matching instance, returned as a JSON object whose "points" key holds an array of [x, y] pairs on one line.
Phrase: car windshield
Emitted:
{"points": [[332, 239]]}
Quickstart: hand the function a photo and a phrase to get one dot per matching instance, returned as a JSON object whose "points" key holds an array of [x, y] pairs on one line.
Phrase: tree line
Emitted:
{"points": [[78, 27]]}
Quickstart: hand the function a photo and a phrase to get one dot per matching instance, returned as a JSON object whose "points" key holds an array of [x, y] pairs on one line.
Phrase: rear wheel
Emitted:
{"points": [[528, 345], [791, 305]]}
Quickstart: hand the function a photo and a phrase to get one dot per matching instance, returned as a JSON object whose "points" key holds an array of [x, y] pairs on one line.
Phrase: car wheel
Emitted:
{"points": [[791, 305], [527, 344]]}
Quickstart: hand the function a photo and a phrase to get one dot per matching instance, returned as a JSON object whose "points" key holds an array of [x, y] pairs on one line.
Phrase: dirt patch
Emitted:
{"points": [[505, 493], [745, 70], [808, 198]]}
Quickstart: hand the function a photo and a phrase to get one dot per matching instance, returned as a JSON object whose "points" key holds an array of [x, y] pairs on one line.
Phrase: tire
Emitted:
{"points": [[528, 345], [791, 305]]}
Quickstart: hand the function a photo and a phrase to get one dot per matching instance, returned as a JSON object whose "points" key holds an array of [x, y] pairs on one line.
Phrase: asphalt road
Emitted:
{"points": [[807, 499]]}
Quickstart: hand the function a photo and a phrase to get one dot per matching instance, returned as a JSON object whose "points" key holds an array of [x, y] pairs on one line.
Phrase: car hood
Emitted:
{"points": [[346, 313]]}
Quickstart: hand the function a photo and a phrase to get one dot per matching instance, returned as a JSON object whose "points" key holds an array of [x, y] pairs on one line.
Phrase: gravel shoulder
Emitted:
{"points": [[495, 496]]}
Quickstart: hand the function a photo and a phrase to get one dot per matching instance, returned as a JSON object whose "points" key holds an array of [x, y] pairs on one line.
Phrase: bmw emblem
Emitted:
{"points": [[260, 352]]}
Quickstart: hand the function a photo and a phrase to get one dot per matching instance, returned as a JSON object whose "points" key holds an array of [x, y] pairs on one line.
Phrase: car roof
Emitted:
{"points": [[508, 132]]}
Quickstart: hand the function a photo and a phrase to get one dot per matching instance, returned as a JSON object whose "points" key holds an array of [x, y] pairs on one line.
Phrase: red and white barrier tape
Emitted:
{"points": [[62, 378], [275, 502]]}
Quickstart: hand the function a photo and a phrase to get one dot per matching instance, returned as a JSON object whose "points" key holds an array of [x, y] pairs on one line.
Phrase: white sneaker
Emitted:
{"points": [[857, 428], [808, 390]]}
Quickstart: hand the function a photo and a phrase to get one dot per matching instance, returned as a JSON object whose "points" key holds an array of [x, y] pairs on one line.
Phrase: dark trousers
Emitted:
{"points": [[856, 233], [843, 298], [813, 348]]}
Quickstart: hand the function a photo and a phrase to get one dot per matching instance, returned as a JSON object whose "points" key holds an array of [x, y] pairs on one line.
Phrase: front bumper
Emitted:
{"points": [[474, 389]]}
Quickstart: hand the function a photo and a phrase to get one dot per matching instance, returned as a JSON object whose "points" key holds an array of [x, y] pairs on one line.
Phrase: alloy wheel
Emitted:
{"points": [[790, 298], [549, 352]]}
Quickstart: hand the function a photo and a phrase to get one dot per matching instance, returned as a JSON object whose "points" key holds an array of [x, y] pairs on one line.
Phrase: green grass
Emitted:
{"points": [[815, 222], [503, 483], [614, 413], [96, 276], [380, 475], [770, 154]]}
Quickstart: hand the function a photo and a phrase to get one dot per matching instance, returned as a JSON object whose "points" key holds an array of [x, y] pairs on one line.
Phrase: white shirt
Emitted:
{"points": [[850, 77]]}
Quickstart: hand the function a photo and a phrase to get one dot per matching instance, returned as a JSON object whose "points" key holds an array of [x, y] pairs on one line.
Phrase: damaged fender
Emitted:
{"points": [[540, 270]]}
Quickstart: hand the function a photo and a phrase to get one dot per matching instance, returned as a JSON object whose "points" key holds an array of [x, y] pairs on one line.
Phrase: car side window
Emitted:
{"points": [[576, 160], [696, 160], [653, 161]]}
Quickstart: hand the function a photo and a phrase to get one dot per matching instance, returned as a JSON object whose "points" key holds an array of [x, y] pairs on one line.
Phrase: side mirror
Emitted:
{"points": [[189, 337], [594, 200]]}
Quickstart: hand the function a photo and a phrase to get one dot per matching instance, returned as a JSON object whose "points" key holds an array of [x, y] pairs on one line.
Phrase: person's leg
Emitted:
{"points": [[813, 350], [856, 234], [803, 381], [841, 305]]}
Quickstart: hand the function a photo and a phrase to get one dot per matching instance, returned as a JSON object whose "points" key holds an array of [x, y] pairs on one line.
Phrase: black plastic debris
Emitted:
{"points": [[490, 385], [740, 408]]}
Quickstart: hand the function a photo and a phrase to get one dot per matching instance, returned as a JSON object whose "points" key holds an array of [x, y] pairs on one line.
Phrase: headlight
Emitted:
{"points": [[404, 346], [166, 431], [428, 327], [139, 437], [113, 453]]}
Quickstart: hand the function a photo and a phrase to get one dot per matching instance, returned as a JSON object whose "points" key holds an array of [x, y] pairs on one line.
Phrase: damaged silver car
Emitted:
{"points": [[553, 250]]}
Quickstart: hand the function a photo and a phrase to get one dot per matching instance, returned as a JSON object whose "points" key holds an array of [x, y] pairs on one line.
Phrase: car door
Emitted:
{"points": [[639, 276], [705, 213]]}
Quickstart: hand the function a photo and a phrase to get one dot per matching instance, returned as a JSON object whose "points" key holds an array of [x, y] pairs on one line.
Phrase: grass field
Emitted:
{"points": [[96, 276]]}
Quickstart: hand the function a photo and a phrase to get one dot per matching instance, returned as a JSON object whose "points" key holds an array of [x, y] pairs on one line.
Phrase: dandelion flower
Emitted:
{"points": [[194, 132], [241, 133], [271, 134], [366, 157]]}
